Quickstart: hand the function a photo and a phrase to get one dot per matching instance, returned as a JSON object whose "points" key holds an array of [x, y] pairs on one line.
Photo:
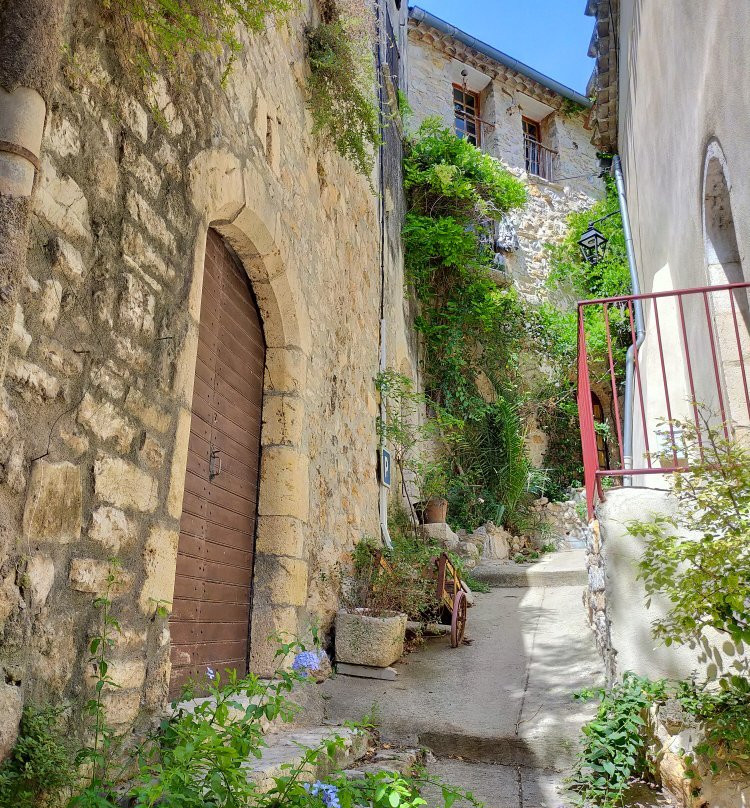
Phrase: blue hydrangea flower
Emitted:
{"points": [[307, 661], [329, 794]]}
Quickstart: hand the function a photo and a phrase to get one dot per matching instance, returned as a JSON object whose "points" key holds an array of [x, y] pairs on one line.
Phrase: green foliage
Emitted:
{"points": [[469, 325], [99, 755], [203, 749], [407, 585], [471, 328], [41, 764], [199, 754], [707, 580], [557, 416], [412, 426], [570, 108], [724, 716], [553, 330], [614, 745], [475, 584], [445, 175], [611, 276], [341, 87], [496, 473], [171, 30]]}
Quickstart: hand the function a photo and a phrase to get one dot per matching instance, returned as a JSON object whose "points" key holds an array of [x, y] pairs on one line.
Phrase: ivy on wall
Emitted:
{"points": [[341, 85], [170, 30], [553, 329]]}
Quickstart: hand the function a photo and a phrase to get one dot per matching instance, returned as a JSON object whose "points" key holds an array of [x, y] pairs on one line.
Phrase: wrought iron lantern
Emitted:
{"points": [[593, 245]]}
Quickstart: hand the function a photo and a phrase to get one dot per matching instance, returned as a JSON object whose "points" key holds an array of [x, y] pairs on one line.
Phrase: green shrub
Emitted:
{"points": [[407, 585], [608, 278], [614, 742], [341, 87], [472, 328], [706, 581], [553, 331], [724, 716], [41, 764]]}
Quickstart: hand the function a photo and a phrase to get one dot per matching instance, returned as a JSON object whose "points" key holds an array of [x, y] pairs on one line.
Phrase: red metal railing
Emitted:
{"points": [[692, 364]]}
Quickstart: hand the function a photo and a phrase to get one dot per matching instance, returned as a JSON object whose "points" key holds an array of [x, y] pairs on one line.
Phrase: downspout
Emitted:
{"points": [[30, 33], [383, 358], [640, 331]]}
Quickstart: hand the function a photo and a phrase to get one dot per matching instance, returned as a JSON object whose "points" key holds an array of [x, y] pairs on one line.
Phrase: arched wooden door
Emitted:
{"points": [[210, 623]]}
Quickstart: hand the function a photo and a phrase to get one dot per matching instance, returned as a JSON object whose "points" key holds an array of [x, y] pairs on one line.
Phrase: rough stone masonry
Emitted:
{"points": [[95, 408]]}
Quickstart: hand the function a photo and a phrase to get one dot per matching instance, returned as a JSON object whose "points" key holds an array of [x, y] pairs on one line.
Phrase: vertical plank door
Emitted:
{"points": [[210, 622]]}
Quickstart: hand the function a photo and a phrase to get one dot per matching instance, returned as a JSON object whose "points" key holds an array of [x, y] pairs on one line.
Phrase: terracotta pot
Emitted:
{"points": [[435, 511], [364, 637]]}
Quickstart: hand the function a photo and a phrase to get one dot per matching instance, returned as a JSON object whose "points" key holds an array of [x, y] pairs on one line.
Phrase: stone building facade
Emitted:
{"points": [[556, 161], [112, 332]]}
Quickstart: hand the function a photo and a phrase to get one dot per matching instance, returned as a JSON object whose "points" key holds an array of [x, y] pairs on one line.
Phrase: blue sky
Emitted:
{"points": [[551, 36]]}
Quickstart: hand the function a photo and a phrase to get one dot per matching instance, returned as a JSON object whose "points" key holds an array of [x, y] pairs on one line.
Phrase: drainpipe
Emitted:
{"points": [[640, 331], [382, 362], [30, 33]]}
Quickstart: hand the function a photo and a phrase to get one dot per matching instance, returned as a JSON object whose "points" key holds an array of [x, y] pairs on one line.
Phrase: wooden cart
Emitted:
{"points": [[452, 598], [451, 595]]}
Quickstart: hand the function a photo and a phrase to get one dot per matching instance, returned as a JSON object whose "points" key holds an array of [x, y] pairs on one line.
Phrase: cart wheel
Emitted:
{"points": [[458, 619]]}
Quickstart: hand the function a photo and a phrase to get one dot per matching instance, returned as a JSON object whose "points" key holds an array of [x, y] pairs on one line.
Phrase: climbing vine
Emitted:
{"points": [[472, 328], [172, 29], [341, 85]]}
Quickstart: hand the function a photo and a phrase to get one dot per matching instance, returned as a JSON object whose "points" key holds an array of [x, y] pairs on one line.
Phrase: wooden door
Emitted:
{"points": [[210, 623]]}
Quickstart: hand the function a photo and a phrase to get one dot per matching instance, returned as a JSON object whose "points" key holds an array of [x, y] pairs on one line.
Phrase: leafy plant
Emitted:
{"points": [[492, 454], [341, 86], [406, 584], [41, 765], [552, 328], [724, 716], [99, 755], [707, 580], [471, 328], [412, 427], [170, 30], [610, 277], [614, 745]]}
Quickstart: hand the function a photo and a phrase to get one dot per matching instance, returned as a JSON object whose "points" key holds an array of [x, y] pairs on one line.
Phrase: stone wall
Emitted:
{"points": [[95, 409]]}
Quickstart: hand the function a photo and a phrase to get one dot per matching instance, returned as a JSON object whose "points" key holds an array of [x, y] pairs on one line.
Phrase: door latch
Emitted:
{"points": [[214, 463]]}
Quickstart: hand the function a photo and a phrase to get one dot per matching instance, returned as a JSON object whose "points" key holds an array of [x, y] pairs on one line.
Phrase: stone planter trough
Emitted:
{"points": [[364, 637]]}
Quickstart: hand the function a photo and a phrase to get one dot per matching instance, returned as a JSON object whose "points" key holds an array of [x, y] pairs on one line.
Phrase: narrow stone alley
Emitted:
{"points": [[498, 712]]}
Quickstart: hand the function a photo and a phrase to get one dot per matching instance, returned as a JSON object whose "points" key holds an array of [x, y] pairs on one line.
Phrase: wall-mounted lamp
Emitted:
{"points": [[593, 243]]}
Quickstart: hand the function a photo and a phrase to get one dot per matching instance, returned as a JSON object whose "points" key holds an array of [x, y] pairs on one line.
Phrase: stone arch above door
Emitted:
{"points": [[233, 199]]}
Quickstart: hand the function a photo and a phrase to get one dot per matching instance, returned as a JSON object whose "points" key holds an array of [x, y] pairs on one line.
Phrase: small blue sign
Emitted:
{"points": [[385, 467]]}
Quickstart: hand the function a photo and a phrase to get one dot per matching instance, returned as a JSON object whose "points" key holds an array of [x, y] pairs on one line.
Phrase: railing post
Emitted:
{"points": [[586, 417]]}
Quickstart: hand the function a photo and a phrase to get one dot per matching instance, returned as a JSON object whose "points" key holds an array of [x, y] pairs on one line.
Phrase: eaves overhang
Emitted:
{"points": [[423, 18]]}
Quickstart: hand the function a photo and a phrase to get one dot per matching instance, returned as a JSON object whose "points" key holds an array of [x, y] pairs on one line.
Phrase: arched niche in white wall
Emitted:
{"points": [[731, 309]]}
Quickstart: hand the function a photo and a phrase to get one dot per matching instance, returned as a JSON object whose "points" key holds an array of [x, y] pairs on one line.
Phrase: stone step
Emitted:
{"points": [[563, 568], [288, 749]]}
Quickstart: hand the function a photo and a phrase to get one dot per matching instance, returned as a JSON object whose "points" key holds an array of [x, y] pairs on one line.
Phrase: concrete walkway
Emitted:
{"points": [[504, 699]]}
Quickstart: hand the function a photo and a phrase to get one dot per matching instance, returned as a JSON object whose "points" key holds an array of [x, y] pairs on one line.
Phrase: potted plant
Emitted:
{"points": [[433, 484], [378, 599], [368, 631], [418, 432]]}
